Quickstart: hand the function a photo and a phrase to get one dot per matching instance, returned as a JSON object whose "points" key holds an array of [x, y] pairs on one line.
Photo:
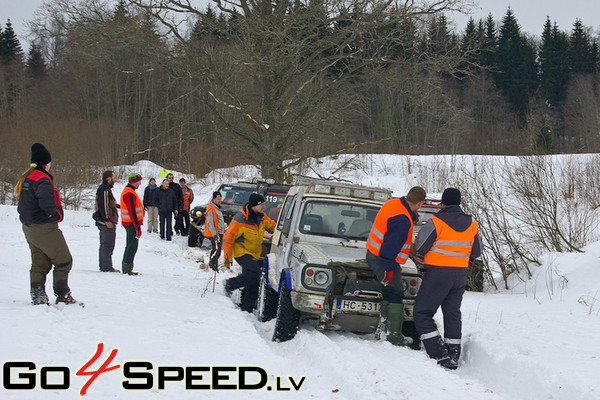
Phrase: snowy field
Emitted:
{"points": [[538, 341]]}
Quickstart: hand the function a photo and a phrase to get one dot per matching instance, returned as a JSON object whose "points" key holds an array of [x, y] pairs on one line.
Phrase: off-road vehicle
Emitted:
{"points": [[317, 271], [235, 195]]}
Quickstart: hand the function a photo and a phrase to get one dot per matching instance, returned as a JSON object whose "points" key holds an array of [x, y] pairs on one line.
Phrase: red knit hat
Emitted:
{"points": [[134, 177]]}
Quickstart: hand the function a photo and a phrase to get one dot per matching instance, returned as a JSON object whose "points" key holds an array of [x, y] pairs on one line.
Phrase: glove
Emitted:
{"points": [[389, 275], [217, 239], [138, 234], [215, 267], [227, 262]]}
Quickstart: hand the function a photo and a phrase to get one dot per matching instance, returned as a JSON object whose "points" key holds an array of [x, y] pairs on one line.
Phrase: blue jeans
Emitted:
{"points": [[394, 292]]}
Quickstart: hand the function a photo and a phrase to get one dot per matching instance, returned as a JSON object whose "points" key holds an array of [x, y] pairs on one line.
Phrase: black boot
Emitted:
{"points": [[453, 349], [436, 349]]}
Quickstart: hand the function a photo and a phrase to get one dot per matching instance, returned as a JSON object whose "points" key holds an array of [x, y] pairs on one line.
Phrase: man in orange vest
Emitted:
{"points": [[388, 247], [447, 241], [214, 228], [184, 213], [132, 218]]}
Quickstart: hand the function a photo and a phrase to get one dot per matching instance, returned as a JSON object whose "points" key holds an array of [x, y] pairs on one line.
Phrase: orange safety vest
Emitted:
{"points": [[451, 248], [389, 209], [213, 210], [139, 208], [188, 197]]}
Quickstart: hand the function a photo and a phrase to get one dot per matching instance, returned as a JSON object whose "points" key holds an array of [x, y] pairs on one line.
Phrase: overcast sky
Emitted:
{"points": [[531, 14]]}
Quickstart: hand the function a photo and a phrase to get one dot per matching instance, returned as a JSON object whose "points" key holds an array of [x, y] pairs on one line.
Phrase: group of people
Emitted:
{"points": [[165, 201], [447, 242]]}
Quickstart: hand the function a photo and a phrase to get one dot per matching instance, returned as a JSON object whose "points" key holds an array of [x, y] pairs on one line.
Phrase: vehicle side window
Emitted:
{"points": [[286, 211]]}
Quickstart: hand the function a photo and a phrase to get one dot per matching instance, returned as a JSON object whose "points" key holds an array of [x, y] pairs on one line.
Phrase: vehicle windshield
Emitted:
{"points": [[344, 220], [235, 195]]}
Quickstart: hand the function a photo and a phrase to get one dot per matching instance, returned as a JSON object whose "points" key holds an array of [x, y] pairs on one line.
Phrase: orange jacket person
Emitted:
{"points": [[132, 218], [243, 241], [448, 240]]}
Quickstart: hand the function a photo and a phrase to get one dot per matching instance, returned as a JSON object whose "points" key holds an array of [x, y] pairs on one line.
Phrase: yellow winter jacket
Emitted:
{"points": [[245, 236]]}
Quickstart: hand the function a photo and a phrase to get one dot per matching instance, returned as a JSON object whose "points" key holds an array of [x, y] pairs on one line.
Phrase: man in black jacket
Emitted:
{"points": [[165, 200], [179, 197], [107, 217]]}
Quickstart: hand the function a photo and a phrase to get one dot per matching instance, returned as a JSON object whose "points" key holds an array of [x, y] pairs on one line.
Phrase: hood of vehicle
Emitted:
{"points": [[324, 253], [311, 253]]}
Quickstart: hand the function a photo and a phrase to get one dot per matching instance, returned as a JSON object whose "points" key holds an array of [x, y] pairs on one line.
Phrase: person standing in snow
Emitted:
{"points": [[132, 218], [106, 221], [214, 227], [243, 241], [165, 200], [388, 247], [179, 196], [150, 207], [40, 211], [447, 241], [188, 199]]}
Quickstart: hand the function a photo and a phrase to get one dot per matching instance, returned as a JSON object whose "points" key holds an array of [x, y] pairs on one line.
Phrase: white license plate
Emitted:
{"points": [[358, 306]]}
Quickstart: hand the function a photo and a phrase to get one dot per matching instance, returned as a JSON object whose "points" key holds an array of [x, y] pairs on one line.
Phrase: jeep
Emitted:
{"points": [[316, 270], [235, 195]]}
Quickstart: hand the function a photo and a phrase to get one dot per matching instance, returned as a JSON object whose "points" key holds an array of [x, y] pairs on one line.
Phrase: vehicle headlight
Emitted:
{"points": [[404, 285], [321, 278], [198, 213]]}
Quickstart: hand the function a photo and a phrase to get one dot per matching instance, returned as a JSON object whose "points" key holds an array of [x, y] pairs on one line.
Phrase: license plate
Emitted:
{"points": [[358, 306]]}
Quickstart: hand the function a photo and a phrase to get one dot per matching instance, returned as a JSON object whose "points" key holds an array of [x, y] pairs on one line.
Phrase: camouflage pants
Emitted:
{"points": [[48, 248]]}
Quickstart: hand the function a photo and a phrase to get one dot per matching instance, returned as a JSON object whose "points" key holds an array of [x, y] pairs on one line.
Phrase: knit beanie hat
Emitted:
{"points": [[450, 197], [39, 154], [134, 177], [255, 199]]}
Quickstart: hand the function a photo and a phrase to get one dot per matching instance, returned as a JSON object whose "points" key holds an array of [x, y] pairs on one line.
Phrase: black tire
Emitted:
{"points": [[193, 237], [267, 302], [475, 276], [288, 318]]}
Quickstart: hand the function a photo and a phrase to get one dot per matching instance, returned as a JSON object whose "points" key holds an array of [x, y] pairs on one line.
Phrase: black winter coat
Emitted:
{"points": [[39, 202], [165, 200], [149, 196]]}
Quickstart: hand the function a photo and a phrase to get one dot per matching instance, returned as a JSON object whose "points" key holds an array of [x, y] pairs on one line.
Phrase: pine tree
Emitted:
{"points": [[10, 47], [517, 75], [36, 65], [489, 46], [554, 67], [580, 56]]}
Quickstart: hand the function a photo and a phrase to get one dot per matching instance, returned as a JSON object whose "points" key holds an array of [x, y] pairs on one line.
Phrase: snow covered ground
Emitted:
{"points": [[538, 341]]}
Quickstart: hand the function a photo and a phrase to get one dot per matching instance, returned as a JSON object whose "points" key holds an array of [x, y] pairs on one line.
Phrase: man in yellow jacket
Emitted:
{"points": [[243, 242]]}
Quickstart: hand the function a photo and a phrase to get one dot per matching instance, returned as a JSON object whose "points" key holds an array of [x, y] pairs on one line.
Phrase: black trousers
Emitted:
{"points": [[441, 287], [165, 219], [184, 215], [248, 279]]}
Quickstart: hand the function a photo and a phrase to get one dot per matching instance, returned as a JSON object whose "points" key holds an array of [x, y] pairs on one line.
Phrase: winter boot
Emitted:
{"points": [[128, 269], [395, 318], [382, 328], [38, 295], [453, 349], [227, 287], [66, 298], [436, 349]]}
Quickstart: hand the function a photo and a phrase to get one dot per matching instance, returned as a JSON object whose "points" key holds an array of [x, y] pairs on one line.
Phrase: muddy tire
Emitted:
{"points": [[288, 318], [267, 302]]}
